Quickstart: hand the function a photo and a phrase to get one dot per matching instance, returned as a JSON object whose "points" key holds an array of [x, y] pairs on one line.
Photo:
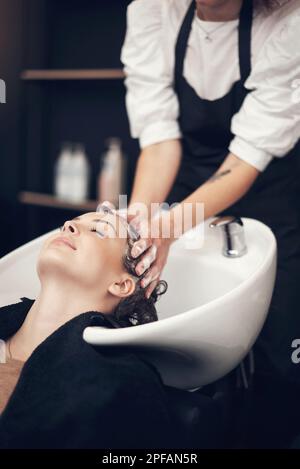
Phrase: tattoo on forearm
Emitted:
{"points": [[223, 173], [216, 176]]}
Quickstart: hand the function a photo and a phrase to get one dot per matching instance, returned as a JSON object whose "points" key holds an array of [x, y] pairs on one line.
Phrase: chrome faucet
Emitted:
{"points": [[233, 235]]}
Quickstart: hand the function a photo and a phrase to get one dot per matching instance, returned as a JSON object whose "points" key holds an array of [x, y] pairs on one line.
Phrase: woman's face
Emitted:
{"points": [[89, 250]]}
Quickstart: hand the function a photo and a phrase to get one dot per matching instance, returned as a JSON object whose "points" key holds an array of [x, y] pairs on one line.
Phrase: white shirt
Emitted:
{"points": [[268, 123]]}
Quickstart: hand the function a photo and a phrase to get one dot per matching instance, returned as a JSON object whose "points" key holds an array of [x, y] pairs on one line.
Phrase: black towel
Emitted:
{"points": [[73, 395]]}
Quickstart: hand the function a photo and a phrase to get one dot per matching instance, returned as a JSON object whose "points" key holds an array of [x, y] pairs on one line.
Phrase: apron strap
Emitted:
{"points": [[245, 27], [182, 40]]}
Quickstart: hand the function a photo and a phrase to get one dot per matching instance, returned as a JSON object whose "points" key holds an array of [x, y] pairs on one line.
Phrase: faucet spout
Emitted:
{"points": [[234, 244]]}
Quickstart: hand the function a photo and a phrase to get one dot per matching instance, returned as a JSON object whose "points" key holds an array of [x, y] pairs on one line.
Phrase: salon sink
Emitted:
{"points": [[213, 311], [210, 317]]}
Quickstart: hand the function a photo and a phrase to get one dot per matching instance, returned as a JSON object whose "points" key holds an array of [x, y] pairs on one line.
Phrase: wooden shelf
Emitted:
{"points": [[84, 74], [46, 200]]}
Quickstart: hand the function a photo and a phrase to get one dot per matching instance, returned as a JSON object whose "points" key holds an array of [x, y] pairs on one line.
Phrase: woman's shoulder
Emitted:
{"points": [[152, 28], [280, 32], [12, 316], [154, 13], [159, 5], [126, 363], [287, 8], [118, 367], [282, 17], [289, 20]]}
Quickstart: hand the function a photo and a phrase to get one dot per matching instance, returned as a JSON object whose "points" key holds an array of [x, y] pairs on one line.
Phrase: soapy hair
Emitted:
{"points": [[136, 309]]}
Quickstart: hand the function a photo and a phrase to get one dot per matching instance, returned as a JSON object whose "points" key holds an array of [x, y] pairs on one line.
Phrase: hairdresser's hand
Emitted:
{"points": [[155, 249]]}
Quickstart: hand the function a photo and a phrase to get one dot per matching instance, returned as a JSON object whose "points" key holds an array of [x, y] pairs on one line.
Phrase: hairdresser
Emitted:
{"points": [[212, 96]]}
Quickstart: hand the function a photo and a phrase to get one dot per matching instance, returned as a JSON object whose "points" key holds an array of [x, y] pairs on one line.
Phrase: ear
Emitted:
{"points": [[125, 287]]}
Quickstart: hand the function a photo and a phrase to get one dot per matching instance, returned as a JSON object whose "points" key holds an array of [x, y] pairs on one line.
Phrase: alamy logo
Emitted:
{"points": [[296, 353], [2, 92]]}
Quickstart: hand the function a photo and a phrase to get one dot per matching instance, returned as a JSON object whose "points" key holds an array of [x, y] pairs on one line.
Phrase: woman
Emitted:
{"points": [[212, 95], [56, 391]]}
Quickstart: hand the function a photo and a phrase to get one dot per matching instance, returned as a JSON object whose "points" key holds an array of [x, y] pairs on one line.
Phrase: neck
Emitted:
{"points": [[227, 10], [55, 305]]}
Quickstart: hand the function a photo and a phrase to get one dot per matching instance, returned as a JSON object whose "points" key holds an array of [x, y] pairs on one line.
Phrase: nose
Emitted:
{"points": [[71, 227]]}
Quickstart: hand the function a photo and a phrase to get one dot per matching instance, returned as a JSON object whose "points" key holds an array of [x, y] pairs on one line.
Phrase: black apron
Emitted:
{"points": [[273, 198]]}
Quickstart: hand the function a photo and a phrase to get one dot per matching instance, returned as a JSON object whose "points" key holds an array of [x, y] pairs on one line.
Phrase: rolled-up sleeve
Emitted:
{"points": [[151, 102], [268, 123]]}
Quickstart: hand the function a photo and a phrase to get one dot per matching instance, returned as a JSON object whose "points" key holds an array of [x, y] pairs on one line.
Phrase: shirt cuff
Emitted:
{"points": [[159, 132], [252, 155]]}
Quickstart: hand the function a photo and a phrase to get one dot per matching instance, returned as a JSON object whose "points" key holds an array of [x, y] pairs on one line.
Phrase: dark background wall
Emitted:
{"points": [[40, 115], [11, 30]]}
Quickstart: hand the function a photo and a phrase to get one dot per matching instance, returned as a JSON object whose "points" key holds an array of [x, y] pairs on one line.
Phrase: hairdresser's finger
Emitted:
{"points": [[140, 246], [151, 287], [149, 257], [141, 226], [143, 265], [152, 275], [108, 204], [147, 260], [122, 212]]}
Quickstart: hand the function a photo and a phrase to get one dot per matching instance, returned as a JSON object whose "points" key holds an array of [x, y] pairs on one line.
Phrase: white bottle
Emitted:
{"points": [[110, 180], [80, 173], [62, 181]]}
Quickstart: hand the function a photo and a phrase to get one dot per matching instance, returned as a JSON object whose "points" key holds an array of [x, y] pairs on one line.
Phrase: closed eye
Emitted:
{"points": [[95, 228], [100, 233]]}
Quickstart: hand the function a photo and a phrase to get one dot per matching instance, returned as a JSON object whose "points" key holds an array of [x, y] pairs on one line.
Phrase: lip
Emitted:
{"points": [[65, 241]]}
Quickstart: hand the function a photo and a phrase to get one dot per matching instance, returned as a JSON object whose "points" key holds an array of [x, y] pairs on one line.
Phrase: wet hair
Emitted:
{"points": [[136, 309]]}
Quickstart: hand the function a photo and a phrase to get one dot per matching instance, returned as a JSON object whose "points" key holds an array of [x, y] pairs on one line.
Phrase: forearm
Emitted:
{"points": [[156, 171], [229, 184]]}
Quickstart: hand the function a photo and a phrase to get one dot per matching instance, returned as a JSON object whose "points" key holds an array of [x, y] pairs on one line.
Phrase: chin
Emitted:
{"points": [[52, 262]]}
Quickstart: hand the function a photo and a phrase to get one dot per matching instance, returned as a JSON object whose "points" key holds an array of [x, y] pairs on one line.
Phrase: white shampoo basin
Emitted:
{"points": [[210, 317]]}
